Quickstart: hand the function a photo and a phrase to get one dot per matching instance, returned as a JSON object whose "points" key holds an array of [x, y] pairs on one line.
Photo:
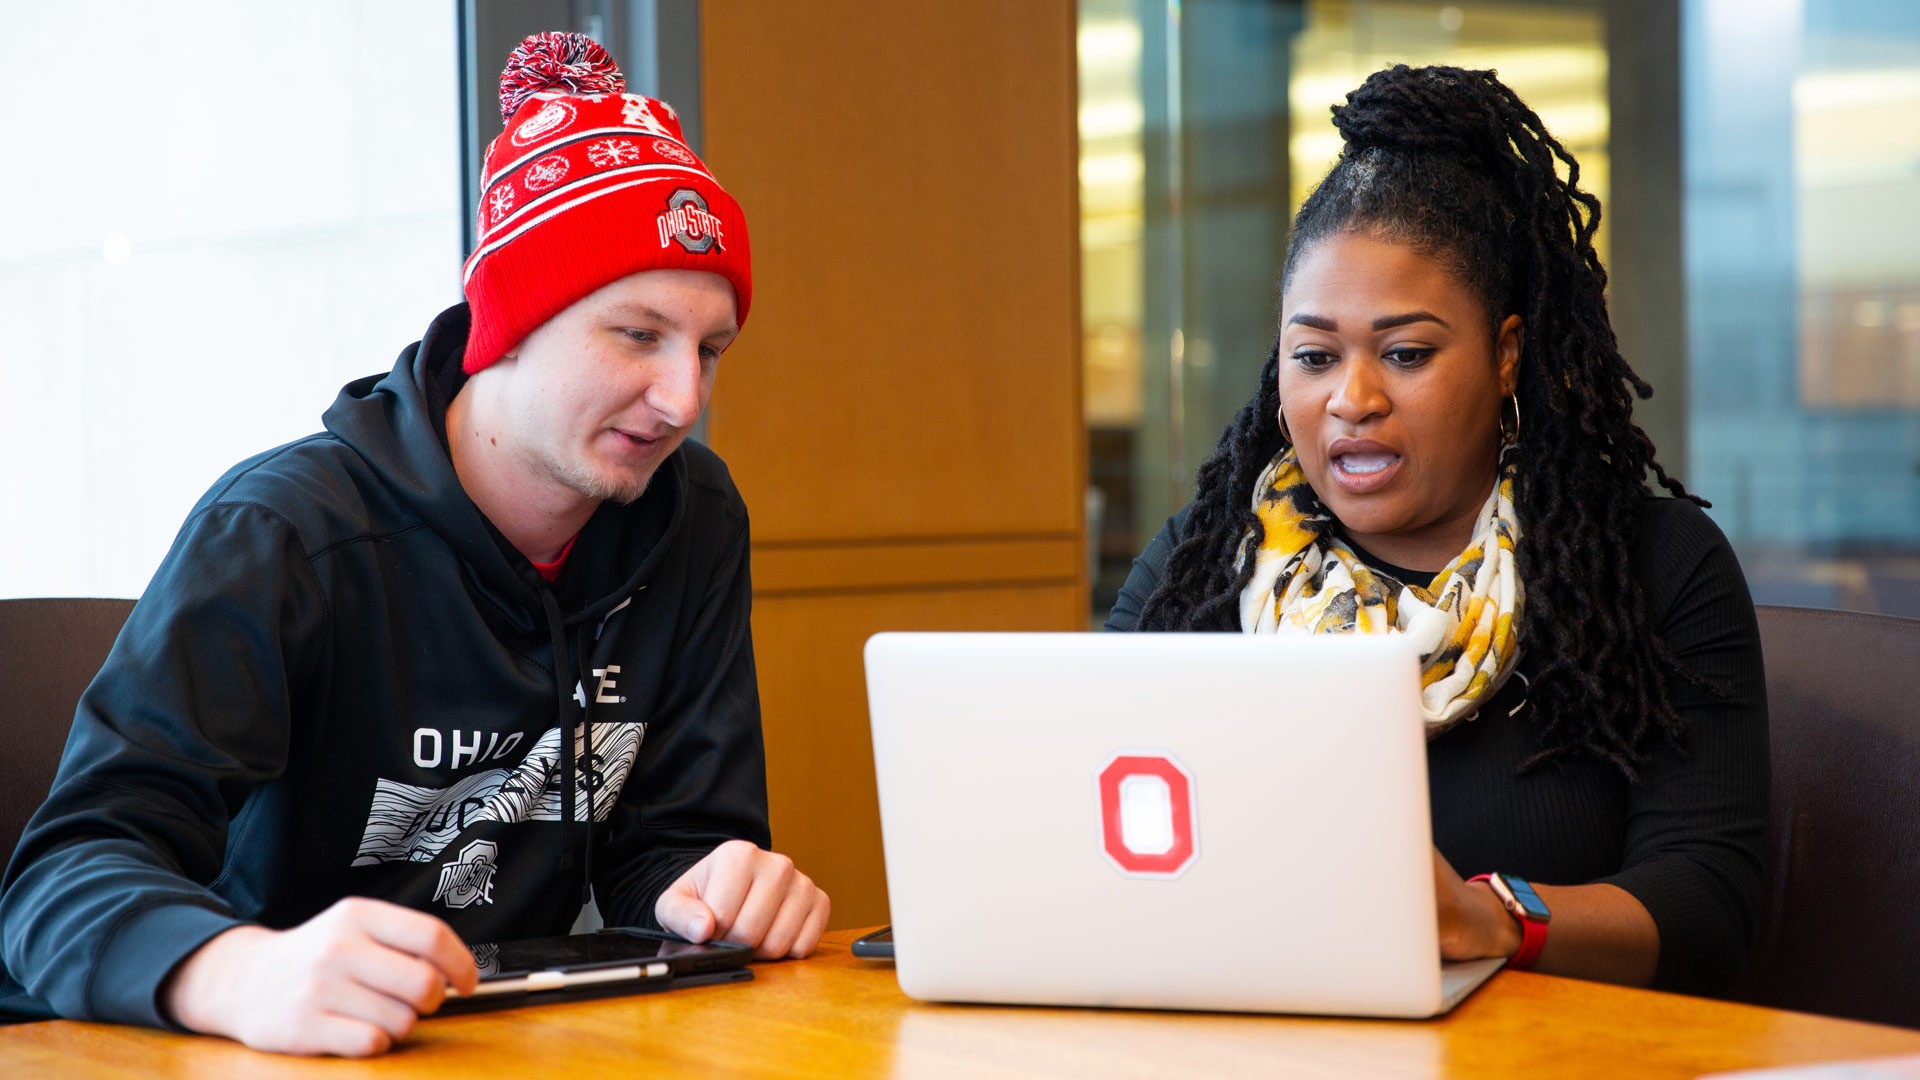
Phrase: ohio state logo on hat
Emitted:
{"points": [[1148, 818], [686, 221], [552, 116]]}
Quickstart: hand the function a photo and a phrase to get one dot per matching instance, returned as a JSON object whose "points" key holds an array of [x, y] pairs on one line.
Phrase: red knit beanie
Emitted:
{"points": [[587, 185]]}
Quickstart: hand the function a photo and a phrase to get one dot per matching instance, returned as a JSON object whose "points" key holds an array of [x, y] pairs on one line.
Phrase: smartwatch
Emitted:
{"points": [[1525, 905]]}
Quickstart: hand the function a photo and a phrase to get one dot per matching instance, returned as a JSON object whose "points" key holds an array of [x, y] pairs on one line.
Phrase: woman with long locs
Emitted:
{"points": [[1442, 444]]}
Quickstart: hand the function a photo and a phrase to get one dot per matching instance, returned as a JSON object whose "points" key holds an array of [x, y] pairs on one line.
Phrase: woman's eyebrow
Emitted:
{"points": [[1384, 322], [1388, 322]]}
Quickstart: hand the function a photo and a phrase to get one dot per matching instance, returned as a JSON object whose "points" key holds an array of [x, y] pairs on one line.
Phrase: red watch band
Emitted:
{"points": [[1533, 934]]}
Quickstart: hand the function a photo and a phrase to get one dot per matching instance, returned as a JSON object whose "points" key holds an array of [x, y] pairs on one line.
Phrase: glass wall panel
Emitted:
{"points": [[1802, 205], [1203, 126]]}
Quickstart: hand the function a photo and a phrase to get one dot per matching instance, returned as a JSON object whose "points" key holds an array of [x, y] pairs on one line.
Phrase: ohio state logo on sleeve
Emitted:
{"points": [[686, 222], [1149, 826]]}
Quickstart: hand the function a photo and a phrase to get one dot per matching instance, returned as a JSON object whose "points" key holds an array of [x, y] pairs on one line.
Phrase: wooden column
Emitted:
{"points": [[903, 410]]}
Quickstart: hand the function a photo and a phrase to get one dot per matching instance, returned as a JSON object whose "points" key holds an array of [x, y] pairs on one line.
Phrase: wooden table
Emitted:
{"points": [[835, 1016]]}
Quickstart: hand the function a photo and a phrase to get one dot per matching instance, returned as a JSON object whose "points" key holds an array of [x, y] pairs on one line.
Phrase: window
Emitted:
{"points": [[1803, 282], [217, 214]]}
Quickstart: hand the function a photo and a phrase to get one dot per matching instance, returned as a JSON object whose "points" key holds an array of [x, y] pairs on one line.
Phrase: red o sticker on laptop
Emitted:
{"points": [[1147, 815]]}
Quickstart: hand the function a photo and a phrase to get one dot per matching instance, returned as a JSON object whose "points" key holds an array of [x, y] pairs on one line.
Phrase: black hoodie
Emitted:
{"points": [[342, 681]]}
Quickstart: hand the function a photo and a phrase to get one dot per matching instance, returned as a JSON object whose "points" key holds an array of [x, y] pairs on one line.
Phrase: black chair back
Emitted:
{"points": [[1839, 931], [50, 649]]}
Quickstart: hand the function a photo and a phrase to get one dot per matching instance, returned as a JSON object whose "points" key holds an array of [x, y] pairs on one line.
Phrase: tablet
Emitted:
{"points": [[616, 960]]}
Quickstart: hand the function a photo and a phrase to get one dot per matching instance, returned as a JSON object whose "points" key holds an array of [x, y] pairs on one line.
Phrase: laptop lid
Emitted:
{"points": [[1192, 821]]}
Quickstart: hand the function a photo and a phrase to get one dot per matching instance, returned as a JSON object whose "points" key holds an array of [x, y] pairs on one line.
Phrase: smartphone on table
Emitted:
{"points": [[875, 946]]}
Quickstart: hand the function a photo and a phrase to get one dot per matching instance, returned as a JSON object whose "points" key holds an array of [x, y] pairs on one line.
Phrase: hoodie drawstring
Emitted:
{"points": [[586, 723], [570, 760]]}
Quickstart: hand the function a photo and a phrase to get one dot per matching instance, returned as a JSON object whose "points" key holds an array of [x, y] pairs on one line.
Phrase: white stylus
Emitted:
{"points": [[564, 980]]}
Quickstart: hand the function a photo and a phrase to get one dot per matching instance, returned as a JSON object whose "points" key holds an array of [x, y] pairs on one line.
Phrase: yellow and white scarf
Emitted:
{"points": [[1306, 579]]}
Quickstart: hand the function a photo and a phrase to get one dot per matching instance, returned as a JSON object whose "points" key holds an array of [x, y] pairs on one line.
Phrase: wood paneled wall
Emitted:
{"points": [[902, 412]]}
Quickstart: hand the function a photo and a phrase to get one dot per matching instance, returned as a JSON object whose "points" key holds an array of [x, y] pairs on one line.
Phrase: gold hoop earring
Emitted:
{"points": [[1284, 433], [1510, 435]]}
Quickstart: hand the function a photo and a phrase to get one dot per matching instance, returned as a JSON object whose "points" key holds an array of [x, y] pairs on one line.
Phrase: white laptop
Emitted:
{"points": [[1169, 821]]}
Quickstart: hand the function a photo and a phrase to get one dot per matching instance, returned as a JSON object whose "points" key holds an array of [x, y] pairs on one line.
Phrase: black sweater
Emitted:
{"points": [[343, 682], [1688, 838]]}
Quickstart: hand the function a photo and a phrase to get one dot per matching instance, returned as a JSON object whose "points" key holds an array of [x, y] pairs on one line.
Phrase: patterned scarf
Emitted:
{"points": [[1306, 579]]}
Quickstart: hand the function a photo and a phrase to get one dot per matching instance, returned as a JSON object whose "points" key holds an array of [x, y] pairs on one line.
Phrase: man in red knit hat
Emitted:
{"points": [[472, 657]]}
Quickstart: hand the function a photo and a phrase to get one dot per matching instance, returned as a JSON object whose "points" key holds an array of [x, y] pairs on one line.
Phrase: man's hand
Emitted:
{"points": [[349, 981], [742, 894]]}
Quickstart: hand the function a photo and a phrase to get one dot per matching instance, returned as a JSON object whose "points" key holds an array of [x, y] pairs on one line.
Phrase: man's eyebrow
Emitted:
{"points": [[643, 313]]}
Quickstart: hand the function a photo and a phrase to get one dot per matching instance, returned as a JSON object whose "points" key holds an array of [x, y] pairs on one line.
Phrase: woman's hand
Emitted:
{"points": [[1473, 924], [1599, 931]]}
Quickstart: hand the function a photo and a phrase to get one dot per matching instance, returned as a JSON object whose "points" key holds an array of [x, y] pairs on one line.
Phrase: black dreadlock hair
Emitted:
{"points": [[1453, 163]]}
